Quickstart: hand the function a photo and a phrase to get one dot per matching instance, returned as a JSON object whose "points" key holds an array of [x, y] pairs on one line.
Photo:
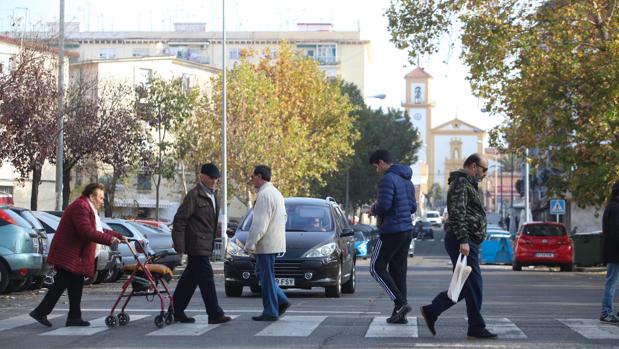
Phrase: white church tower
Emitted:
{"points": [[419, 107]]}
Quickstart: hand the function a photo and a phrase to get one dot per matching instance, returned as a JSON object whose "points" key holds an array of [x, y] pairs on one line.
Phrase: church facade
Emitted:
{"points": [[445, 146]]}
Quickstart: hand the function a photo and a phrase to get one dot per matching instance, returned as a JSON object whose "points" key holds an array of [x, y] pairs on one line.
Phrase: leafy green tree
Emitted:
{"points": [[282, 112], [391, 130], [551, 67], [436, 196], [165, 106]]}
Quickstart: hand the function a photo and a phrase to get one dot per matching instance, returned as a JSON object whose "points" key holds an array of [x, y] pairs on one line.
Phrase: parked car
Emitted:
{"points": [[159, 241], [543, 243], [131, 232], [434, 217], [321, 255], [159, 225], [423, 231], [19, 250], [361, 244], [5, 199], [107, 262], [496, 247], [35, 281], [370, 232]]}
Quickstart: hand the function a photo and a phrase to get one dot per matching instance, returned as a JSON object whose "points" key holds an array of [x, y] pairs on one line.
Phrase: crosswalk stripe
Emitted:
{"points": [[292, 326], [21, 320], [198, 328], [592, 329], [97, 325], [380, 328], [504, 328]]}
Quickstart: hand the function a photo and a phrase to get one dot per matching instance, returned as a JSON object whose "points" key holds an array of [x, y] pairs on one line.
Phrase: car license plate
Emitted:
{"points": [[284, 282], [544, 255]]}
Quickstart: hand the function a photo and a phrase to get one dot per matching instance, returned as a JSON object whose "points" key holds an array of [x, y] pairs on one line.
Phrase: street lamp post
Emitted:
{"points": [[60, 144], [224, 152]]}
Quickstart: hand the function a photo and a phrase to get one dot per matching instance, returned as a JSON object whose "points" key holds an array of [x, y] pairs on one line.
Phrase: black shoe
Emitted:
{"points": [[400, 315], [283, 307], [264, 318], [42, 319], [429, 319], [484, 334], [218, 320], [182, 318], [77, 322]]}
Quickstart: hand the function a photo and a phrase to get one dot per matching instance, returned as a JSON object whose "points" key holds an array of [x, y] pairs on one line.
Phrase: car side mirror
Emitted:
{"points": [[230, 232], [347, 232]]}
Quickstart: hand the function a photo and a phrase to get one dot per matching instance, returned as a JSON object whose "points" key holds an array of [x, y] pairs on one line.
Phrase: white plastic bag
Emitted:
{"points": [[461, 272]]}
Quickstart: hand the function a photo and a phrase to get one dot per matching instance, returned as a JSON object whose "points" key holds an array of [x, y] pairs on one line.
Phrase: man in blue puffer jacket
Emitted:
{"points": [[394, 207]]}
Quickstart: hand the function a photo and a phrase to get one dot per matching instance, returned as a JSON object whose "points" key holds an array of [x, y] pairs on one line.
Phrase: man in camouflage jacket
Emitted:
{"points": [[465, 231]]}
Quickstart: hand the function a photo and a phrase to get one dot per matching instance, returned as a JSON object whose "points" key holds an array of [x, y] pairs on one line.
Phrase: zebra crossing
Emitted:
{"points": [[306, 325]]}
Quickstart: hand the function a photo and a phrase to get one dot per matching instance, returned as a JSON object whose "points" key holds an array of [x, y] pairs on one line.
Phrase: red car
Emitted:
{"points": [[543, 243]]}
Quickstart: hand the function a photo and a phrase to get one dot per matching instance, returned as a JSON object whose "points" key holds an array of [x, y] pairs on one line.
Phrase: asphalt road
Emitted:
{"points": [[535, 308]]}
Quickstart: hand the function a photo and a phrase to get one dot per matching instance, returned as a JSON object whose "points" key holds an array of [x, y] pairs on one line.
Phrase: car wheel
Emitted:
{"points": [[91, 280], [233, 290], [351, 284], [19, 284], [516, 266], [567, 267], [4, 277], [118, 275], [255, 289], [335, 291], [49, 278]]}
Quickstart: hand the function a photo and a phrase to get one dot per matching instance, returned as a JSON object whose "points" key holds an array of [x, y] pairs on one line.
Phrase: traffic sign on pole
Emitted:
{"points": [[557, 207]]}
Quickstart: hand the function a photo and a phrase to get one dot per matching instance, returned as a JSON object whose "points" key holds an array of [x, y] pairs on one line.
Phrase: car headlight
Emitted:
{"points": [[234, 250], [321, 250]]}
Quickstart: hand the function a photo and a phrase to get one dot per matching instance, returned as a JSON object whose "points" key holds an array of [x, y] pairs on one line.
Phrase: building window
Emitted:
{"points": [[107, 53], [6, 189], [188, 81], [144, 181], [324, 54], [234, 53], [140, 52]]}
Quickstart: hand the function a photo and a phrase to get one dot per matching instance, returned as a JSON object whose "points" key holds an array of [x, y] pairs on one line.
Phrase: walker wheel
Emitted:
{"points": [[169, 318], [111, 321], [159, 321], [123, 319]]}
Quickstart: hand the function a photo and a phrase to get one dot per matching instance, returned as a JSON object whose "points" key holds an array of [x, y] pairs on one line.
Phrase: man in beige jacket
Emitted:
{"points": [[267, 239]]}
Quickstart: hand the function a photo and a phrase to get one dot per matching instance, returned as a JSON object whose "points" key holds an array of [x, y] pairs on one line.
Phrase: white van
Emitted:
{"points": [[434, 217]]}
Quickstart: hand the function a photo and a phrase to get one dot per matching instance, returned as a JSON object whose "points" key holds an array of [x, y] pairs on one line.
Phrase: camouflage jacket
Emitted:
{"points": [[467, 217]]}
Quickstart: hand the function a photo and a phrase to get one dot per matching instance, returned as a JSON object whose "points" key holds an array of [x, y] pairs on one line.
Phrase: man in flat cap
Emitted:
{"points": [[195, 227]]}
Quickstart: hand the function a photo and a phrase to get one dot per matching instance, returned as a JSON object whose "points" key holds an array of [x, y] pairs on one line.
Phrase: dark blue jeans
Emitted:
{"points": [[198, 273], [472, 291], [272, 294]]}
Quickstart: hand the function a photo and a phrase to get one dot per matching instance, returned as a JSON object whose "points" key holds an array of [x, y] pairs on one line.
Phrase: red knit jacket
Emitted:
{"points": [[74, 244]]}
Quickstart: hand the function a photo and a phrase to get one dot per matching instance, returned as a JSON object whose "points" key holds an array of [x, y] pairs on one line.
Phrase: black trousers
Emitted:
{"points": [[472, 292], [64, 280], [389, 264], [198, 273]]}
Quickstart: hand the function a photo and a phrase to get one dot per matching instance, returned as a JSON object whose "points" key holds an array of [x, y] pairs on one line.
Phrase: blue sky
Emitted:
{"points": [[451, 93]]}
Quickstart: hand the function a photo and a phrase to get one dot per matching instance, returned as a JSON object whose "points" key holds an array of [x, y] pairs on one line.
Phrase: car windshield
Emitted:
{"points": [[10, 217], [544, 230], [301, 217], [432, 215], [144, 229], [27, 215]]}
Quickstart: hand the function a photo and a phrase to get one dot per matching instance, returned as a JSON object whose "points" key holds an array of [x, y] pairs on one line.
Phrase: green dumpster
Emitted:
{"points": [[587, 248]]}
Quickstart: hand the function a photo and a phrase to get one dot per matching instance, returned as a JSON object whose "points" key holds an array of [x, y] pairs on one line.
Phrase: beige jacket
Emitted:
{"points": [[268, 228]]}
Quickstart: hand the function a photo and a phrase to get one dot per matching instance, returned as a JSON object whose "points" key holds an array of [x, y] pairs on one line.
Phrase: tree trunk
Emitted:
{"points": [[157, 196], [66, 184], [111, 193], [36, 181], [183, 178]]}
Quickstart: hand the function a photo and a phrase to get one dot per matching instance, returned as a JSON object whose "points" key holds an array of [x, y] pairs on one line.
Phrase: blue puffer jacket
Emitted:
{"points": [[396, 200]]}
